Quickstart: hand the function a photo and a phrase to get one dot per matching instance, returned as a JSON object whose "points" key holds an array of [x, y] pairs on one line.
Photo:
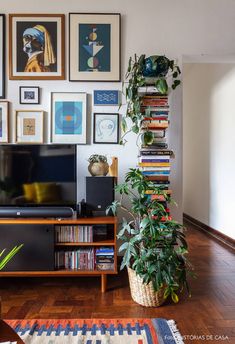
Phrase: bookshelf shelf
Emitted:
{"points": [[94, 243], [97, 247]]}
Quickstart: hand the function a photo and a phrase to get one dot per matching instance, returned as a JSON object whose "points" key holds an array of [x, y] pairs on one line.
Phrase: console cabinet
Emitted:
{"points": [[41, 247]]}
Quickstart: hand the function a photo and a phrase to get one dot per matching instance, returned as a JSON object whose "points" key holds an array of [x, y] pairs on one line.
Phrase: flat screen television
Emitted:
{"points": [[38, 175]]}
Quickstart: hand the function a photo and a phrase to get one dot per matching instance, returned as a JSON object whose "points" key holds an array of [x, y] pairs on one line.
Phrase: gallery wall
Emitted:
{"points": [[171, 28]]}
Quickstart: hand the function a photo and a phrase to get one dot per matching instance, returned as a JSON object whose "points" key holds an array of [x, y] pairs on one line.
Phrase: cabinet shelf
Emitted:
{"points": [[95, 243]]}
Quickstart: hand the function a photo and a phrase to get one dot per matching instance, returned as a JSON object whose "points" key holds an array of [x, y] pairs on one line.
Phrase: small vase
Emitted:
{"points": [[98, 168]]}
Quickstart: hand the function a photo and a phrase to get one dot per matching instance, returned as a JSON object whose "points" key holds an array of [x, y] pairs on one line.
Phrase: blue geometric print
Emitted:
{"points": [[109, 97], [68, 118]]}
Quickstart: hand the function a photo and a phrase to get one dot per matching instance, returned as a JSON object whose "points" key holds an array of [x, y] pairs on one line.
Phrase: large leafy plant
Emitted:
{"points": [[154, 245], [158, 70]]}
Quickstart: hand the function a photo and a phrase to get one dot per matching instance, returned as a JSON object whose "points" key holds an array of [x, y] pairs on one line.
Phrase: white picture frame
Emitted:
{"points": [[29, 126], [68, 117]]}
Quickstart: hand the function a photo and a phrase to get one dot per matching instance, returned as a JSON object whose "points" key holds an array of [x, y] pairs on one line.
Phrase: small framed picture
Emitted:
{"points": [[106, 128], [106, 97], [94, 46], [4, 125], [29, 95], [29, 126], [68, 115], [36, 46], [2, 56]]}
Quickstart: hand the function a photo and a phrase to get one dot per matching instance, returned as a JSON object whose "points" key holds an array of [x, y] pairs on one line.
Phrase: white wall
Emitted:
{"points": [[166, 27], [209, 141]]}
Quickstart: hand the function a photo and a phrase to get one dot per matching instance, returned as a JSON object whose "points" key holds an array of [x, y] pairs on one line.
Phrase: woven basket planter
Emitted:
{"points": [[143, 293]]}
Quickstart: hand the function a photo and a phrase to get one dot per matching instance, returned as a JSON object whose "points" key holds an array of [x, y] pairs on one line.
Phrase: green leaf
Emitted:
{"points": [[161, 85], [176, 83], [175, 74], [135, 129], [174, 297], [124, 246], [147, 138], [124, 125]]}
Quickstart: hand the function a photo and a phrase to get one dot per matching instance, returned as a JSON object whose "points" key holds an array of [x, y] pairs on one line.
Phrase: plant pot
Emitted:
{"points": [[98, 168], [143, 293]]}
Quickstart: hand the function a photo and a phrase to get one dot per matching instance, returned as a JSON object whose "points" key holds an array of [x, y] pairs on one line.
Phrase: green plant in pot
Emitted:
{"points": [[154, 246], [98, 165], [157, 70]]}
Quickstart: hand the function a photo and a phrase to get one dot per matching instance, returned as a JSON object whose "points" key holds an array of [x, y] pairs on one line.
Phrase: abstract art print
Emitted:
{"points": [[106, 128], [2, 56], [29, 95], [4, 115], [68, 117], [106, 97], [36, 46], [29, 126], [94, 47]]}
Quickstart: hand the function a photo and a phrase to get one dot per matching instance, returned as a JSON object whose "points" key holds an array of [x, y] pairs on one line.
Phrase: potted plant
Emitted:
{"points": [[154, 245], [156, 70], [98, 165]]}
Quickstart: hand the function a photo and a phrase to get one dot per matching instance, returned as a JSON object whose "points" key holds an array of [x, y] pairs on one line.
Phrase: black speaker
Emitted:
{"points": [[99, 195]]}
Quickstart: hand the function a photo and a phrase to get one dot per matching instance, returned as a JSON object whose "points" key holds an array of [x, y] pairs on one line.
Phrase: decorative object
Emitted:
{"points": [[94, 46], [4, 119], [29, 95], [2, 56], [36, 46], [106, 97], [98, 165], [106, 128], [154, 245], [113, 168], [155, 71], [68, 115], [29, 126], [125, 331]]}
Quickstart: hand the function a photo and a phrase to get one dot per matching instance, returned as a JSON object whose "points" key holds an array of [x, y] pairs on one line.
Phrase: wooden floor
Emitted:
{"points": [[209, 312]]}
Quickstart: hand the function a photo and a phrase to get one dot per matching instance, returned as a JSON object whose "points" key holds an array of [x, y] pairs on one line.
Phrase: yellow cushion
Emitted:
{"points": [[29, 192], [46, 192]]}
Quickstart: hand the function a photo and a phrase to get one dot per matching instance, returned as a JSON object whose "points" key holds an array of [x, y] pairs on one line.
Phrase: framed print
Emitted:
{"points": [[106, 97], [68, 115], [2, 56], [29, 126], [106, 128], [4, 125], [36, 46], [94, 46], [29, 95]]}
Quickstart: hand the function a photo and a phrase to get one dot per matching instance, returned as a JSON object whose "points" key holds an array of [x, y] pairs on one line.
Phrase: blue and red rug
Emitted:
{"points": [[97, 331]]}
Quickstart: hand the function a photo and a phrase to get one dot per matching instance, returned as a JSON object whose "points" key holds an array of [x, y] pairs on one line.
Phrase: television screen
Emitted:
{"points": [[42, 175]]}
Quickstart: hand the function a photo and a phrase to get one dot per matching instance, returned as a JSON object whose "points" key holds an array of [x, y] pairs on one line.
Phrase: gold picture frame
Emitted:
{"points": [[29, 126], [36, 46]]}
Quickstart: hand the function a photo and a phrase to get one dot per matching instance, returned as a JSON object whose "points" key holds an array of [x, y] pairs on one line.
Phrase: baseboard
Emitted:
{"points": [[211, 231]]}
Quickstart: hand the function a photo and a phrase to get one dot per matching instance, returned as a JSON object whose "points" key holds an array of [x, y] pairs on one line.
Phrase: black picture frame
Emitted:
{"points": [[110, 137], [3, 56], [28, 88], [75, 74]]}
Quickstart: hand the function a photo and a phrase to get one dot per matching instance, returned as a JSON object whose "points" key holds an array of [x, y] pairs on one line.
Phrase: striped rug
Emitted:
{"points": [[97, 331]]}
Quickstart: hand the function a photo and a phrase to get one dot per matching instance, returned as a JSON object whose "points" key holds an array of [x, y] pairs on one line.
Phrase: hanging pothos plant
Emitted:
{"points": [[155, 70]]}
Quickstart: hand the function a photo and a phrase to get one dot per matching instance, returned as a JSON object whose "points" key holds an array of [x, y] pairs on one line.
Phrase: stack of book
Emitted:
{"points": [[74, 234], [80, 259], [154, 159], [104, 258]]}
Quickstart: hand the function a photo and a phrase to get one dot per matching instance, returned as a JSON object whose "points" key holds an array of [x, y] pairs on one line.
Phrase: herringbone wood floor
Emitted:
{"points": [[210, 310]]}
